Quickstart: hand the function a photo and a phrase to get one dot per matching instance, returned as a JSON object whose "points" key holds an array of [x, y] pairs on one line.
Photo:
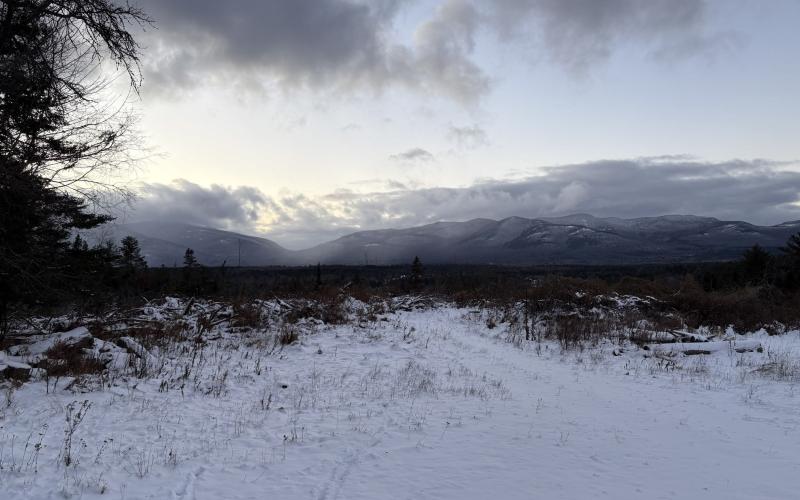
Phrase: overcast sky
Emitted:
{"points": [[305, 119]]}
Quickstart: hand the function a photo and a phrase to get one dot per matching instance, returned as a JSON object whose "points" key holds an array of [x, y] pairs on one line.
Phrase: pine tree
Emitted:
{"points": [[792, 248], [189, 260], [790, 271], [131, 254], [57, 138], [37, 258], [416, 271], [79, 244], [755, 261]]}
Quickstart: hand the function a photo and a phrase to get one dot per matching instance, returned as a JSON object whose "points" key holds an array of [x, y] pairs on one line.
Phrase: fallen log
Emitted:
{"points": [[666, 337], [692, 348], [652, 337], [682, 336]]}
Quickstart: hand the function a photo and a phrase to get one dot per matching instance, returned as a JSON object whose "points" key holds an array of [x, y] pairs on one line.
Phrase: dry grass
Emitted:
{"points": [[288, 335], [248, 315], [152, 334], [64, 359]]}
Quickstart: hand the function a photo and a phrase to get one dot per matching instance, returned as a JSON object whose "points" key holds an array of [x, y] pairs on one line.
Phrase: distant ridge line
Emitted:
{"points": [[571, 239]]}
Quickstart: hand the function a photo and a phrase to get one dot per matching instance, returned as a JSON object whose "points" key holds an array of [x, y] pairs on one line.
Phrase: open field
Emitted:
{"points": [[403, 398]]}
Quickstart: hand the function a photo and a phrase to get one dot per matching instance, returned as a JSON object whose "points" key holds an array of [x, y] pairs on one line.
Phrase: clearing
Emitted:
{"points": [[429, 403]]}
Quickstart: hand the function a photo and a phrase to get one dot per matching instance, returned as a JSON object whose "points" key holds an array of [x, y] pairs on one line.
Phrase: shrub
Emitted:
{"points": [[64, 359]]}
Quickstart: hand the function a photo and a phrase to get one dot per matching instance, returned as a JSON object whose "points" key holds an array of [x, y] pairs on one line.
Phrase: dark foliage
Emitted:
{"points": [[755, 262], [189, 260], [131, 257], [37, 261], [416, 272], [56, 137], [792, 248]]}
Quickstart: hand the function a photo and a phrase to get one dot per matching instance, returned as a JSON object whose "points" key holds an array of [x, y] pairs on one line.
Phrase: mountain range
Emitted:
{"points": [[574, 239]]}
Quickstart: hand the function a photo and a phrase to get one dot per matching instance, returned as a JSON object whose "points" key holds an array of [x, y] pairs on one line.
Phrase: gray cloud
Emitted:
{"points": [[338, 44], [350, 127], [301, 41], [707, 45], [443, 47], [468, 137], [577, 34], [756, 191], [353, 44], [218, 206], [413, 155]]}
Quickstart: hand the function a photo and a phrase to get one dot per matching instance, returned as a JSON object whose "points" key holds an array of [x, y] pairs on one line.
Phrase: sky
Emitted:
{"points": [[304, 120]]}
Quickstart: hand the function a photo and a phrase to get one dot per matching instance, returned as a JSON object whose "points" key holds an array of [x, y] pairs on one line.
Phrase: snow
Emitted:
{"points": [[420, 404], [735, 345], [41, 346], [6, 363]]}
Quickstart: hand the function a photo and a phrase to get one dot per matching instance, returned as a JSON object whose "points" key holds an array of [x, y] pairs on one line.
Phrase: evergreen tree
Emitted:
{"points": [[56, 136], [131, 254], [755, 261], [416, 271], [792, 248], [36, 256], [189, 260], [789, 271], [79, 244]]}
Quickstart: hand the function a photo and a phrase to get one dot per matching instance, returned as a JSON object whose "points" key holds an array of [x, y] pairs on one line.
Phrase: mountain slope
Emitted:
{"points": [[574, 239], [164, 243]]}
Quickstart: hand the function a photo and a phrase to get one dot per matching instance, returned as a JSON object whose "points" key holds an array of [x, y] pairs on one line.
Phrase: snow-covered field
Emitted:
{"points": [[419, 404]]}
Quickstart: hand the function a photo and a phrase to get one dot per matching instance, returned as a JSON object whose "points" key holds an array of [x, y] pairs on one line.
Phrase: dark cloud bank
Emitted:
{"points": [[349, 44], [755, 191]]}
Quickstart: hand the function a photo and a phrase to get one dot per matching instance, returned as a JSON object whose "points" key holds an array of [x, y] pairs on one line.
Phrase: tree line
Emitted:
{"points": [[758, 267]]}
